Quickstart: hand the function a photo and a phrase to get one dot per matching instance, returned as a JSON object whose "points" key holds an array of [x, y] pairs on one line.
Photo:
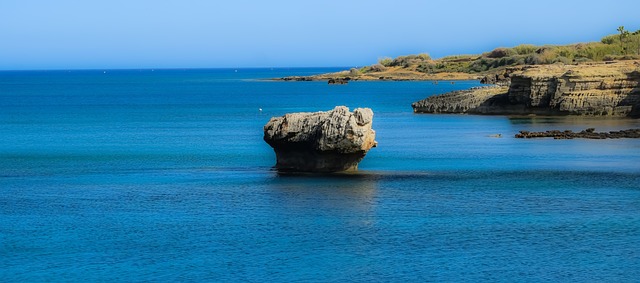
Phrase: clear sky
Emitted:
{"points": [[101, 34]]}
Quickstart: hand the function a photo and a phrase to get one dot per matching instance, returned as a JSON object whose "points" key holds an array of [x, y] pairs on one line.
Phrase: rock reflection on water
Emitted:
{"points": [[354, 192], [336, 192]]}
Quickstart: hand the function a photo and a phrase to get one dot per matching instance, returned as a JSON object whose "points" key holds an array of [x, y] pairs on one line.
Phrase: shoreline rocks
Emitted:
{"points": [[589, 133], [331, 141], [339, 81], [296, 79], [596, 89], [479, 100]]}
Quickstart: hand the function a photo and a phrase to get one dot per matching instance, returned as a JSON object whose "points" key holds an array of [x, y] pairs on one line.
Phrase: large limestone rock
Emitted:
{"points": [[596, 89], [331, 141], [609, 89]]}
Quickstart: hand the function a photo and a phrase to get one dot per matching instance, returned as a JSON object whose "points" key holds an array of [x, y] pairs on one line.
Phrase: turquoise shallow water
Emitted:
{"points": [[162, 175]]}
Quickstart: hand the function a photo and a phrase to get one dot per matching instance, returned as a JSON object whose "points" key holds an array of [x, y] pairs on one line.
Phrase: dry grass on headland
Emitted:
{"points": [[616, 47]]}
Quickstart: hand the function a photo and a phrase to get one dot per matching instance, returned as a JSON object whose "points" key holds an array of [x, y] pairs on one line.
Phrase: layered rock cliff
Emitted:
{"points": [[331, 141], [611, 89]]}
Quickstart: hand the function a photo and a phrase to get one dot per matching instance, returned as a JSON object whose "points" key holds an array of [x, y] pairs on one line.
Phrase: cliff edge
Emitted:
{"points": [[593, 89]]}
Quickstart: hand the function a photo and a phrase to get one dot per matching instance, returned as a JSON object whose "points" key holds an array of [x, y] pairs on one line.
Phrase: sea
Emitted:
{"points": [[163, 176]]}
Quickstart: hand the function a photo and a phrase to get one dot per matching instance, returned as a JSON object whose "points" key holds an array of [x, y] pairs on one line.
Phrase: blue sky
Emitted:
{"points": [[69, 34]]}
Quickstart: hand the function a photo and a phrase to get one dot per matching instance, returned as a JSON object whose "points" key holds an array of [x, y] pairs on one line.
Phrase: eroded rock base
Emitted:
{"points": [[313, 161]]}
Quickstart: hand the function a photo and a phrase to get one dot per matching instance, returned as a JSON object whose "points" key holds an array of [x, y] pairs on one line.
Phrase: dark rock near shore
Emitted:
{"points": [[338, 81], [589, 133], [500, 78], [331, 141], [297, 79], [480, 100]]}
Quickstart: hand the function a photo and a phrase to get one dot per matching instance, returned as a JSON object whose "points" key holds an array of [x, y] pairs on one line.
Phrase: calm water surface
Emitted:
{"points": [[139, 175]]}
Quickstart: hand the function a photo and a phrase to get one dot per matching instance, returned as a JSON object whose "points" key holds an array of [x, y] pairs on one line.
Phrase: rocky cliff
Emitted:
{"points": [[482, 100], [611, 89], [330, 141]]}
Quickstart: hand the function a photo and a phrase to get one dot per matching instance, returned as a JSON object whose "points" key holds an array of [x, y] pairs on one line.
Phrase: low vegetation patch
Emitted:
{"points": [[624, 45]]}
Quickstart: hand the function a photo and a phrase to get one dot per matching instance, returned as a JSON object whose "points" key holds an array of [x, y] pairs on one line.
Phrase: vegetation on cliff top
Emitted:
{"points": [[622, 46]]}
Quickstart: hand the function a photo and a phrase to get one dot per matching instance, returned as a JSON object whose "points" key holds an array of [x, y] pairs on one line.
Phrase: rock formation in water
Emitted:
{"points": [[330, 141], [611, 89]]}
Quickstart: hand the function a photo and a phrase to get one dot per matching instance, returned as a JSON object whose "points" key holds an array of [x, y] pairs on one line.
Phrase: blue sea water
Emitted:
{"points": [[162, 175]]}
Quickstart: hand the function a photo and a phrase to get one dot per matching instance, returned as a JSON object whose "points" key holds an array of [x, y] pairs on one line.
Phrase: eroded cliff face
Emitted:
{"points": [[330, 141], [611, 89], [596, 89]]}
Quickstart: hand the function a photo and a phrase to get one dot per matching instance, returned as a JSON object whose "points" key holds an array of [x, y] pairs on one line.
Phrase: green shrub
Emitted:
{"points": [[410, 60], [525, 49], [424, 56], [500, 53], [562, 59], [374, 68], [610, 39], [597, 50], [385, 61], [568, 52], [533, 59]]}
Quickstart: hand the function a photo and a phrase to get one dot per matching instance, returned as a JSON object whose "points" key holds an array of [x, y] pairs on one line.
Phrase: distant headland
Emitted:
{"points": [[489, 66], [594, 79]]}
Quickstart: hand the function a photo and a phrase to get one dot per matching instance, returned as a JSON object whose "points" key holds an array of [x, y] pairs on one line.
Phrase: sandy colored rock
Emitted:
{"points": [[596, 89], [330, 141]]}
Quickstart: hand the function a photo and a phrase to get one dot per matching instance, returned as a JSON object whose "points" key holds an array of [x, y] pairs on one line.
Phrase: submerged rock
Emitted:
{"points": [[330, 141], [589, 133]]}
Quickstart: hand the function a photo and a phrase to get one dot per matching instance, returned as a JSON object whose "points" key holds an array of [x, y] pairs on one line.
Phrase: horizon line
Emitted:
{"points": [[171, 68]]}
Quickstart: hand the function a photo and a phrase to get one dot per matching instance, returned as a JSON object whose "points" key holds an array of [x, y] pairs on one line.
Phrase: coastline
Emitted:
{"points": [[390, 74], [593, 89], [598, 89]]}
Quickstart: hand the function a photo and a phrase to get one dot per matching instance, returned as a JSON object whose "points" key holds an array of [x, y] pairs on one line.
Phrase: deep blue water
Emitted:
{"points": [[141, 175]]}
